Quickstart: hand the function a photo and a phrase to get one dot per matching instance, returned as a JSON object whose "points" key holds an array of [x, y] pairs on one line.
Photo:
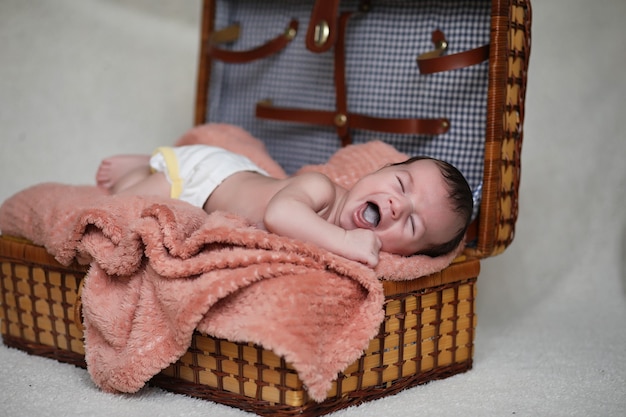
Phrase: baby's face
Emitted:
{"points": [[407, 206]]}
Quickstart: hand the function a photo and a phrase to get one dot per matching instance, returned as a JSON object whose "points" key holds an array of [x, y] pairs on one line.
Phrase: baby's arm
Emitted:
{"points": [[295, 211]]}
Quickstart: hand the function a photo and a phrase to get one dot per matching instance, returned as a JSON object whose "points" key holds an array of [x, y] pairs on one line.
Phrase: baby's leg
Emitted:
{"points": [[114, 168], [131, 174], [141, 181]]}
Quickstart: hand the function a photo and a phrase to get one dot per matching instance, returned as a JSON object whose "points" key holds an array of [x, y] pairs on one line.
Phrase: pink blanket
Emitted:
{"points": [[159, 269]]}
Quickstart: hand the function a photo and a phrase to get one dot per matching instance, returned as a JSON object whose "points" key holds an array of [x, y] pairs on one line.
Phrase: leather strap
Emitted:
{"points": [[266, 110], [341, 93], [441, 45], [432, 61], [269, 48], [228, 34], [341, 118], [322, 31]]}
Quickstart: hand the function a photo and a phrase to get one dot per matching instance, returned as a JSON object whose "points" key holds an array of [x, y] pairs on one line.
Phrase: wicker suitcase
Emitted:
{"points": [[428, 331]]}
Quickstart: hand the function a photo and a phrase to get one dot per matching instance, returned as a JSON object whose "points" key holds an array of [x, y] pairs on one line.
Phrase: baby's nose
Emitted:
{"points": [[397, 207]]}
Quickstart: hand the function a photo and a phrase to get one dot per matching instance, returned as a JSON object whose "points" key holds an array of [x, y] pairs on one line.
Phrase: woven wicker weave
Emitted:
{"points": [[428, 331], [39, 299], [427, 334], [508, 66]]}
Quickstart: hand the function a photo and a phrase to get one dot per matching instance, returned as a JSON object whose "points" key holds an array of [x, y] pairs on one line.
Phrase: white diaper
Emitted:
{"points": [[195, 171]]}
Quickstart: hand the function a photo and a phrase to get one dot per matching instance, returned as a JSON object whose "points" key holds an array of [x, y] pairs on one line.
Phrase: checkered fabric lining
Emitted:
{"points": [[382, 78]]}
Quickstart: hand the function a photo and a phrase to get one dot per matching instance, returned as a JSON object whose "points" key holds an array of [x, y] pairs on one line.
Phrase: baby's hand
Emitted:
{"points": [[362, 245]]}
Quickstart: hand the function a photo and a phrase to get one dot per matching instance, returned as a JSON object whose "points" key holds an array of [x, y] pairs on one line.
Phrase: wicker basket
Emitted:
{"points": [[428, 331], [427, 334]]}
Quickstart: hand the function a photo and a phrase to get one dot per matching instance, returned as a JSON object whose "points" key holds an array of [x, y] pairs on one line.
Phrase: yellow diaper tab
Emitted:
{"points": [[173, 171]]}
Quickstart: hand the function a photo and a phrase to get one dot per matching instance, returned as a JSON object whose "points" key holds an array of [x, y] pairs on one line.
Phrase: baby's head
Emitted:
{"points": [[461, 203], [419, 206]]}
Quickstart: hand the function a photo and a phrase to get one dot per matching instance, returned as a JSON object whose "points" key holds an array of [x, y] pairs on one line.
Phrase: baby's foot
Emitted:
{"points": [[115, 167]]}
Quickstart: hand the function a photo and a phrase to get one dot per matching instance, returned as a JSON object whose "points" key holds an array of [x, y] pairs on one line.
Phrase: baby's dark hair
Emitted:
{"points": [[460, 196]]}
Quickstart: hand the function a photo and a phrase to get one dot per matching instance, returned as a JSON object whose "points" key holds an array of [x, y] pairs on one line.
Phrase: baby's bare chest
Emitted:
{"points": [[246, 194]]}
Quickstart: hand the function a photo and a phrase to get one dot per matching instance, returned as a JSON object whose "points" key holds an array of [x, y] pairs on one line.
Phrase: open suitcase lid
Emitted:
{"points": [[509, 38], [508, 69]]}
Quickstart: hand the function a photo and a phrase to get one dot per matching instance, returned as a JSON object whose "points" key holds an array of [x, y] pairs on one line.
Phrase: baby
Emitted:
{"points": [[420, 206]]}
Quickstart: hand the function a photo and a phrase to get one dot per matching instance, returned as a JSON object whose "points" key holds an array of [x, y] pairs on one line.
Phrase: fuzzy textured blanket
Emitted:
{"points": [[160, 269]]}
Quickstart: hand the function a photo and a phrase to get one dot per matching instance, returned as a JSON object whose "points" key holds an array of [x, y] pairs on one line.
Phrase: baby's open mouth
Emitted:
{"points": [[371, 214]]}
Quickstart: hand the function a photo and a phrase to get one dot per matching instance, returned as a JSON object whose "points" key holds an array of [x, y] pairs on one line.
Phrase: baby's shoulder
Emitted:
{"points": [[313, 179], [318, 186]]}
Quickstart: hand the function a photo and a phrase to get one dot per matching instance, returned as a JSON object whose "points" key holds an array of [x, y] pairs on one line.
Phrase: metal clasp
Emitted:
{"points": [[322, 32], [340, 120]]}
